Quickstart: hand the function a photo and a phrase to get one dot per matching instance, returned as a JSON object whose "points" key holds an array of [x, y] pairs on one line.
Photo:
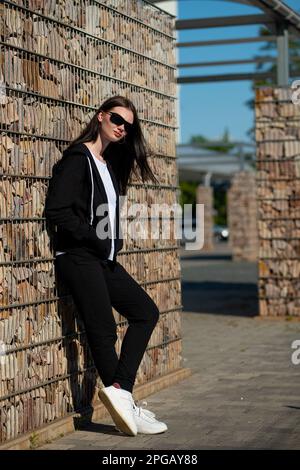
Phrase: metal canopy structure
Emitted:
{"points": [[195, 162], [281, 21]]}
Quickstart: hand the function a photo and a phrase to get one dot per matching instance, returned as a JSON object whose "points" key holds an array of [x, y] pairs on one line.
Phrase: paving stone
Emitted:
{"points": [[244, 391]]}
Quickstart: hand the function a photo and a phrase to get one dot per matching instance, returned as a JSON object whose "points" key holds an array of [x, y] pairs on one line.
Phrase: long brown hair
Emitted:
{"points": [[125, 157]]}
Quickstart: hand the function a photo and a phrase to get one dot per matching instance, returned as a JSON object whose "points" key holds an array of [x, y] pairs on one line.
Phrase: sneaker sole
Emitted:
{"points": [[153, 432], [118, 419]]}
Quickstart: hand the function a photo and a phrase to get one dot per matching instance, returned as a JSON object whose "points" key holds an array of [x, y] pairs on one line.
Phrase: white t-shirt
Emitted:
{"points": [[111, 196]]}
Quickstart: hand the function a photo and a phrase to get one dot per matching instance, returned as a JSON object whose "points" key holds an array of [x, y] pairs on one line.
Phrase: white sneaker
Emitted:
{"points": [[119, 403], [145, 421]]}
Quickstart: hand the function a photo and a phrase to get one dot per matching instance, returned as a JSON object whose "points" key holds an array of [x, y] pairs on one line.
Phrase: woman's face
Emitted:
{"points": [[111, 131]]}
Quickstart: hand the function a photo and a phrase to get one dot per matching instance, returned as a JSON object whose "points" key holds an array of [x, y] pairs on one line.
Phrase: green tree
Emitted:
{"points": [[188, 193], [200, 139], [220, 206]]}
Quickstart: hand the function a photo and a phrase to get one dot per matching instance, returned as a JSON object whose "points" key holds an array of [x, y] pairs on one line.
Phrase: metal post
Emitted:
{"points": [[207, 178], [241, 157], [282, 55]]}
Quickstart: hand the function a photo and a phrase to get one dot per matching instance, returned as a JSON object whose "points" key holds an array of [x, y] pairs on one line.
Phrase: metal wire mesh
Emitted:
{"points": [[278, 172], [59, 60]]}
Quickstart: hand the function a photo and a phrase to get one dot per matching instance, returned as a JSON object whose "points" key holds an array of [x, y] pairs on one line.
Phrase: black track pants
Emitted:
{"points": [[96, 286]]}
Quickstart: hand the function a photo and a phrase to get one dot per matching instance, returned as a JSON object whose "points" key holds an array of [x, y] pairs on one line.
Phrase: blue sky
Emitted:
{"points": [[209, 108]]}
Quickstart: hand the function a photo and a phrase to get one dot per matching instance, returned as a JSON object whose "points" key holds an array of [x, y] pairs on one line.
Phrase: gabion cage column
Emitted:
{"points": [[204, 195], [59, 61], [242, 216], [278, 176]]}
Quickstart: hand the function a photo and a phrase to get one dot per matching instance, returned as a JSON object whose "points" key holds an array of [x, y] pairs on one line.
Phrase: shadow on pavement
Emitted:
{"points": [[213, 282], [225, 298], [92, 426], [208, 257]]}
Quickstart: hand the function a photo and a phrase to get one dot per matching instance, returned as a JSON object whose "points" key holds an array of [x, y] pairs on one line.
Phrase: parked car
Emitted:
{"points": [[221, 232]]}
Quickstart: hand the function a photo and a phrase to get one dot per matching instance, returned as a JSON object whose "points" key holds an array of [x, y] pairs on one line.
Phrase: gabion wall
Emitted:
{"points": [[242, 216], [59, 61], [278, 176]]}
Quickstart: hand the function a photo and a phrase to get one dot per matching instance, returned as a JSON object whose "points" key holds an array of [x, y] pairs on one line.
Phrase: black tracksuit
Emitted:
{"points": [[96, 283]]}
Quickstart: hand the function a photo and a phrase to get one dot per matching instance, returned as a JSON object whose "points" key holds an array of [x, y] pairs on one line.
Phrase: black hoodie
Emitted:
{"points": [[75, 191]]}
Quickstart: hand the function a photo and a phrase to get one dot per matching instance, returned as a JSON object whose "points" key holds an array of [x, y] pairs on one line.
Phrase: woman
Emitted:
{"points": [[93, 172]]}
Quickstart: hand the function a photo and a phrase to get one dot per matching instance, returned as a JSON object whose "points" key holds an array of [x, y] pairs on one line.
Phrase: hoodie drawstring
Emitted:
{"points": [[92, 197]]}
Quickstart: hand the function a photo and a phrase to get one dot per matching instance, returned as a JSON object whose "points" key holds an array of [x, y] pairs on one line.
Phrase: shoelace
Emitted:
{"points": [[141, 410]]}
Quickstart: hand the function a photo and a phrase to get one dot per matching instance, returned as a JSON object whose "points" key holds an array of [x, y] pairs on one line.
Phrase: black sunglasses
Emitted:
{"points": [[115, 118]]}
